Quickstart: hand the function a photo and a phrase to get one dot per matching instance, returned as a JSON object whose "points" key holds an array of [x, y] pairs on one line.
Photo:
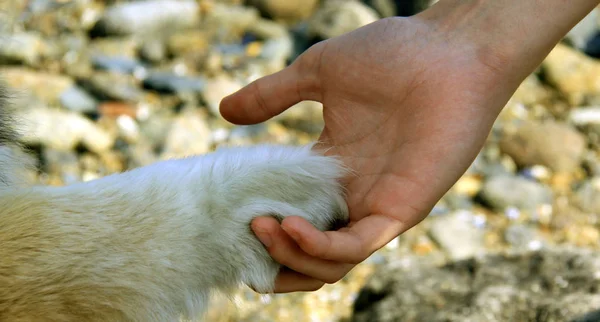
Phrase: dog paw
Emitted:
{"points": [[278, 181]]}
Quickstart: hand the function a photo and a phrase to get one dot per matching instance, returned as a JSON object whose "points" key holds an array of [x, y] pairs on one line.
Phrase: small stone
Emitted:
{"points": [[468, 185], [456, 234], [77, 100], [337, 17], [504, 191], [587, 196], [286, 10], [194, 42], [267, 29], [583, 236], [147, 17], [47, 87], [26, 48], [523, 237], [552, 144], [153, 50], [234, 18], [62, 163], [216, 89], [189, 135], [62, 130], [111, 86], [576, 75], [166, 82], [117, 64], [117, 109]]}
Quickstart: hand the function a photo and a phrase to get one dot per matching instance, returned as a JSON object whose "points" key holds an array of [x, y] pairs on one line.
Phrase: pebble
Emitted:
{"points": [[555, 145], [166, 82], [112, 86], [456, 234], [189, 135], [63, 130], [504, 191], [78, 100], [26, 48], [523, 237], [289, 11], [47, 87], [576, 75], [153, 51], [216, 89], [117, 64], [147, 17], [337, 17], [587, 196]]}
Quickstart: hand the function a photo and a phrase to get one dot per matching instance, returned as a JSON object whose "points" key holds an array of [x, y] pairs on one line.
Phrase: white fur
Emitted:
{"points": [[151, 244]]}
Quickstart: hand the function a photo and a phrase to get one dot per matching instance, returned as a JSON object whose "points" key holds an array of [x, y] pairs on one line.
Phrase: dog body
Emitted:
{"points": [[153, 243]]}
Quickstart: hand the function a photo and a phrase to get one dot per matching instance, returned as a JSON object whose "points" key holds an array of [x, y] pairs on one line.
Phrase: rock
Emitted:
{"points": [[114, 47], [285, 10], [165, 82], [579, 35], [549, 285], [116, 64], [25, 48], [47, 87], [531, 91], [216, 89], [153, 50], [78, 100], [194, 42], [587, 119], [576, 75], [457, 235], [276, 52], [267, 29], [587, 196], [234, 18], [62, 163], [147, 17], [554, 145], [504, 191], [62, 130], [337, 17], [189, 135], [523, 237], [112, 86]]}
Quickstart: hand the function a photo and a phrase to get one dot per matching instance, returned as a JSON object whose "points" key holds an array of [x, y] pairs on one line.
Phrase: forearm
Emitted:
{"points": [[513, 35]]}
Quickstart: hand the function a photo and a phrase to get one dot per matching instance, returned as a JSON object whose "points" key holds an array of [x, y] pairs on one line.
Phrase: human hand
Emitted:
{"points": [[408, 104]]}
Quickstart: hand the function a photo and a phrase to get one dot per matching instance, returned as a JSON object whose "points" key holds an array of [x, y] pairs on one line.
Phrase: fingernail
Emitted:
{"points": [[264, 238]]}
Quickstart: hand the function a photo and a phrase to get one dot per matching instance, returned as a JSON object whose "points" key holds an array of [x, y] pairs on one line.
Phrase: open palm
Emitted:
{"points": [[407, 112]]}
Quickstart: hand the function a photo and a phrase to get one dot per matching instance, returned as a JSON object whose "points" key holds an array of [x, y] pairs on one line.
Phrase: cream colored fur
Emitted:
{"points": [[153, 243]]}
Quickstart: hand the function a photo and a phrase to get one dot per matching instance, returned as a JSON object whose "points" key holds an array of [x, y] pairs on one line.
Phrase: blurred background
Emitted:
{"points": [[105, 86]]}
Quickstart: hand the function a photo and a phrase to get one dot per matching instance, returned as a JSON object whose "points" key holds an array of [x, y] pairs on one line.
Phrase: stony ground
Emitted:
{"points": [[105, 86]]}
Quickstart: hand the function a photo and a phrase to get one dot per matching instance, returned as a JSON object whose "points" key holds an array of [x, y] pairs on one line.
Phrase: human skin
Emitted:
{"points": [[408, 104]]}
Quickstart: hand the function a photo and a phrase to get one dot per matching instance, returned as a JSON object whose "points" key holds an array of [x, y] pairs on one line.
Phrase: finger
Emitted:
{"points": [[351, 245], [285, 251], [290, 281], [264, 98]]}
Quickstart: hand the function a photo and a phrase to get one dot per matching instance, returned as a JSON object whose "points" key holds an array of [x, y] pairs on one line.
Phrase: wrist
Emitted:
{"points": [[511, 37]]}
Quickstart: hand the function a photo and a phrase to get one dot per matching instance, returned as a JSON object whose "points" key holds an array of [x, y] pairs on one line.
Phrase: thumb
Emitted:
{"points": [[269, 96]]}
